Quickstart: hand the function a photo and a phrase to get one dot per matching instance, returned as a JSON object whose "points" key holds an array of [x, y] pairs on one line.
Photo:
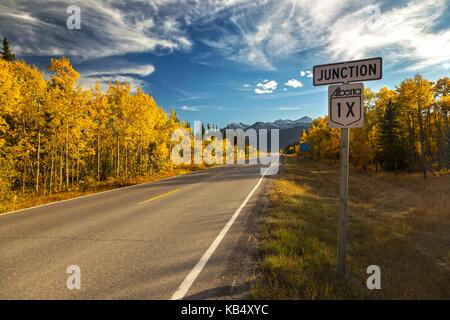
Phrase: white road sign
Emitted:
{"points": [[350, 71], [345, 105], [345, 111]]}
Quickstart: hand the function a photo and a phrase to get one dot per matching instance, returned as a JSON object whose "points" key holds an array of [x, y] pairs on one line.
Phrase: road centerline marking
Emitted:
{"points": [[160, 196], [195, 272]]}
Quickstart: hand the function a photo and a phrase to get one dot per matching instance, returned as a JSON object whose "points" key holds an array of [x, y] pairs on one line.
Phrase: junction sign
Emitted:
{"points": [[349, 71], [345, 111]]}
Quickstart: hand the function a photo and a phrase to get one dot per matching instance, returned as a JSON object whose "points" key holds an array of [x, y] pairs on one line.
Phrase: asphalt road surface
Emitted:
{"points": [[161, 240]]}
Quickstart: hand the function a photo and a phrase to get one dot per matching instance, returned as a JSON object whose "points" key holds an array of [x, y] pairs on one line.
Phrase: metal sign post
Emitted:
{"points": [[343, 200], [345, 111]]}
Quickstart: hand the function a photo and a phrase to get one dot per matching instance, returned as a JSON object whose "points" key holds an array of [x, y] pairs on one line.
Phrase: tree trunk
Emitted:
{"points": [[78, 164], [439, 151], [38, 161], [23, 178], [126, 161], [118, 157], [45, 179], [51, 173], [98, 156], [67, 157], [412, 142], [72, 170], [61, 165], [140, 159], [423, 155]]}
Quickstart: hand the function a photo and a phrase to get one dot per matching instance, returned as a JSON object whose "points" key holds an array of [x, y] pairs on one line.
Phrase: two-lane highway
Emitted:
{"points": [[149, 241]]}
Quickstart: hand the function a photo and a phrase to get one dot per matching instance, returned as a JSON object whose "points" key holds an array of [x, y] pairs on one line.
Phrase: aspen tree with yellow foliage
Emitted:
{"points": [[405, 129], [57, 137]]}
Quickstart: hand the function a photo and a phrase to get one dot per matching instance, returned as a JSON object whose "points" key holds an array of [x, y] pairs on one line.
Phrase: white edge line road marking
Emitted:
{"points": [[192, 276], [111, 190]]}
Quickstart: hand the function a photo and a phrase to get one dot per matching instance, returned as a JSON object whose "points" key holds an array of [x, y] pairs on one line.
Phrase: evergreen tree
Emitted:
{"points": [[7, 54], [390, 145]]}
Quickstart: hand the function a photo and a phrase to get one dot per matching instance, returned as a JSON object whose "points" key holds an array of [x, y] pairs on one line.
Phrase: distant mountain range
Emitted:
{"points": [[290, 130]]}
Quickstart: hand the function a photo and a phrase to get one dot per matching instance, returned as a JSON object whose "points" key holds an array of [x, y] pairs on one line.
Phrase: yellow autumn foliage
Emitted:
{"points": [[57, 136]]}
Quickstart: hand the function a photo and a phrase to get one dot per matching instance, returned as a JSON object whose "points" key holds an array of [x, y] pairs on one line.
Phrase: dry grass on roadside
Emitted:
{"points": [[401, 224]]}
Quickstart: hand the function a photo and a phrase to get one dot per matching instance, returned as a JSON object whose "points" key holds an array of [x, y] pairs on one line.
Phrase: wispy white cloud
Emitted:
{"points": [[142, 70], [107, 28], [402, 34], [131, 74], [259, 33], [292, 93], [270, 30], [293, 83], [266, 87], [189, 96], [305, 73], [289, 108], [188, 108], [23, 16]]}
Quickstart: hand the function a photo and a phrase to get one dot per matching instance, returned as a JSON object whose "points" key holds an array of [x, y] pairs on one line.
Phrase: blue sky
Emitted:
{"points": [[232, 60]]}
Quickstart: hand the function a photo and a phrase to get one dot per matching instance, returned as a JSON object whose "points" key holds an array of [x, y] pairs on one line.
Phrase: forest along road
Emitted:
{"points": [[150, 241]]}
